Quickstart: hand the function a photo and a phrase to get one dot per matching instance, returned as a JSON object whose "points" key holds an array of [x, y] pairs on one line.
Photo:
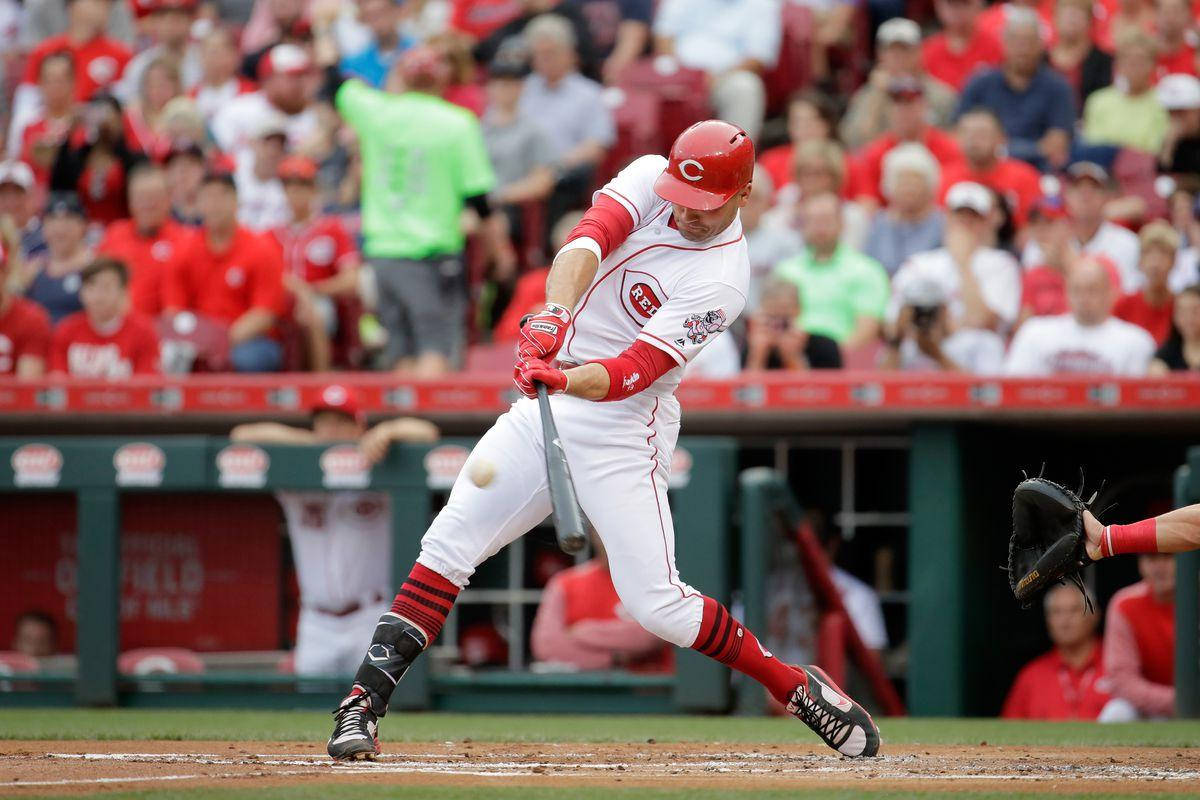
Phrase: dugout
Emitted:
{"points": [[918, 469]]}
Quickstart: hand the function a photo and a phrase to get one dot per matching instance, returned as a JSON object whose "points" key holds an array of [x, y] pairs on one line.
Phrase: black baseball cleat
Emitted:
{"points": [[355, 732], [840, 722]]}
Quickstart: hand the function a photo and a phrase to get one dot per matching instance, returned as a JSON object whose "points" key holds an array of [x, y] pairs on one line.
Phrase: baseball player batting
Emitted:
{"points": [[656, 270]]}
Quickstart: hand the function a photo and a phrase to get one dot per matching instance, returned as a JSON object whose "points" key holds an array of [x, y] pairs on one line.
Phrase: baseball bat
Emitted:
{"points": [[568, 518]]}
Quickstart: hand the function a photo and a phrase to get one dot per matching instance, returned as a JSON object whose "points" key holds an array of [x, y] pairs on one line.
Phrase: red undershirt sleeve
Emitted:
{"points": [[607, 223], [639, 366]]}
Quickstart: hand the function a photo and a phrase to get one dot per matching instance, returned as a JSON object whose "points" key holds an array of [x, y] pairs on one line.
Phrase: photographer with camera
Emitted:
{"points": [[775, 340], [965, 295], [922, 338]]}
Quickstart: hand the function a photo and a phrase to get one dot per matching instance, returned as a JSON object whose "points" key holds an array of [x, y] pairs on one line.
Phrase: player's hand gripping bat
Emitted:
{"points": [[568, 519]]}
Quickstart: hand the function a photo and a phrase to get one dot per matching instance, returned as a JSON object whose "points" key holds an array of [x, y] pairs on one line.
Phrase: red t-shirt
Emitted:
{"points": [[82, 352], [316, 250], [1019, 183], [590, 595], [24, 331], [98, 62], [1046, 688], [1182, 60], [478, 18], [953, 69], [1153, 625], [224, 285], [1044, 292], [1156, 320], [147, 258], [942, 145]]}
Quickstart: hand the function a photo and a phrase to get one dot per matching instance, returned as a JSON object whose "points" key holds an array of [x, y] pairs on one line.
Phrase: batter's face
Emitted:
{"points": [[700, 226]]}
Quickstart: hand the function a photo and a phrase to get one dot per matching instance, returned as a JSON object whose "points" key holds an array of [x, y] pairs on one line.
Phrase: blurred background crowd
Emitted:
{"points": [[269, 185]]}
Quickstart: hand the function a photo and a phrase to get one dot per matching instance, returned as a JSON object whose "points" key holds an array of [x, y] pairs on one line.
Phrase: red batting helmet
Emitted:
{"points": [[710, 162]]}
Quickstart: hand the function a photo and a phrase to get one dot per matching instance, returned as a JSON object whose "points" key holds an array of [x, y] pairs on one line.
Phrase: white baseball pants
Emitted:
{"points": [[620, 457]]}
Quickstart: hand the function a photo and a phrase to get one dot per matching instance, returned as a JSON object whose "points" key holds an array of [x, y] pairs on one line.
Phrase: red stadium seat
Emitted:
{"points": [[793, 70], [159, 661]]}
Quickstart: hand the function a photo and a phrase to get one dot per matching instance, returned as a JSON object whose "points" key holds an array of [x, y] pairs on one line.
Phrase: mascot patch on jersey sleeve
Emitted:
{"points": [[701, 326]]}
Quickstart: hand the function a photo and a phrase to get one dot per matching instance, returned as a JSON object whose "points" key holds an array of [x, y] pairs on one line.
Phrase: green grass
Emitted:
{"points": [[344, 792], [277, 726]]}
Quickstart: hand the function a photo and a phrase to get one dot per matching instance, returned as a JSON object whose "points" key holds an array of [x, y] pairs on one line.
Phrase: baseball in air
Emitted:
{"points": [[481, 472]]}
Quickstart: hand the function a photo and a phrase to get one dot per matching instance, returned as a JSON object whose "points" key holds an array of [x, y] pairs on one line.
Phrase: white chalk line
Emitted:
{"points": [[320, 765]]}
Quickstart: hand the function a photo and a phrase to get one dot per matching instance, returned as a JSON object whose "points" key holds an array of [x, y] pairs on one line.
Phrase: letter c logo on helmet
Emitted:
{"points": [[691, 162]]}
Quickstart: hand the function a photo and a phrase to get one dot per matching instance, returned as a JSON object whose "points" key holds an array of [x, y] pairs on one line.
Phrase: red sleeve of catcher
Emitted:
{"points": [[607, 222], [635, 369]]}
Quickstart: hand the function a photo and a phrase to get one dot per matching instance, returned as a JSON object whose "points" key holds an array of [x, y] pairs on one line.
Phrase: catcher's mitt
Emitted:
{"points": [[1048, 543]]}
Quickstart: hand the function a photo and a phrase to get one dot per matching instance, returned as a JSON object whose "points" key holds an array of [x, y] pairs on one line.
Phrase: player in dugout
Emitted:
{"points": [[341, 540], [656, 270]]}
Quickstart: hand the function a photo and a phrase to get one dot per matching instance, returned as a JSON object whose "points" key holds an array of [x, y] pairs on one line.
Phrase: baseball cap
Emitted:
{"points": [[270, 124], [1179, 92], [1048, 207], [905, 87], [297, 168], [970, 196], [17, 173], [284, 59], [898, 30], [64, 203], [340, 398], [1090, 170]]}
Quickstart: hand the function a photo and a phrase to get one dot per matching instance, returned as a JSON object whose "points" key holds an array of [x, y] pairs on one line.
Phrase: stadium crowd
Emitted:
{"points": [[264, 185]]}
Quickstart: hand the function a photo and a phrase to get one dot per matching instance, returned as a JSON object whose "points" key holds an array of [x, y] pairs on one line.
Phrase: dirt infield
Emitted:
{"points": [[67, 767]]}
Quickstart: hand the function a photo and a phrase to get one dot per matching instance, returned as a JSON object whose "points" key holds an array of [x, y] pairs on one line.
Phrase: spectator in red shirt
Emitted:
{"points": [[1153, 306], [98, 60], [95, 160], [981, 137], [810, 117], [581, 622], [24, 325], [1139, 644], [907, 122], [42, 137], [961, 48], [1176, 37], [320, 261], [1044, 287], [148, 241], [106, 339], [232, 275], [1068, 682]]}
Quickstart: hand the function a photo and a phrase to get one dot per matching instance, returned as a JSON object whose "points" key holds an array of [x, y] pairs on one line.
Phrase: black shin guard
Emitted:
{"points": [[394, 647]]}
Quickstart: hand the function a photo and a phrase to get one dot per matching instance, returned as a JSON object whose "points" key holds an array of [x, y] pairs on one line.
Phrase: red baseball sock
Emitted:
{"points": [[725, 639], [1137, 537], [425, 599]]}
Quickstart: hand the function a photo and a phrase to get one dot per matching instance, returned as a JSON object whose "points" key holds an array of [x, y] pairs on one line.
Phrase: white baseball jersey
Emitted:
{"points": [[668, 291], [1060, 345], [341, 544]]}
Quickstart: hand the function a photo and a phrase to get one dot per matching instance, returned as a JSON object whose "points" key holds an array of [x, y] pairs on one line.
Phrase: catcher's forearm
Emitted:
{"points": [[1176, 531]]}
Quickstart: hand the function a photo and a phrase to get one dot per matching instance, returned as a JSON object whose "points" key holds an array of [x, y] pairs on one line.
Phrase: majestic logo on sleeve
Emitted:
{"points": [[691, 164], [701, 326]]}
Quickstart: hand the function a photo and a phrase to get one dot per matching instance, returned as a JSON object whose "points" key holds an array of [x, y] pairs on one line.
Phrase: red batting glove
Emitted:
{"points": [[533, 371], [542, 334]]}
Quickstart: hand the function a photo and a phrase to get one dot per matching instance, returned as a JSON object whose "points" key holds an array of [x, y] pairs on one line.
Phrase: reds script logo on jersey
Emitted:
{"points": [[701, 326]]}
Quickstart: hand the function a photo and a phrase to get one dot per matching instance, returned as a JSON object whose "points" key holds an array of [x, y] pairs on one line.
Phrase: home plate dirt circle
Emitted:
{"points": [[32, 768]]}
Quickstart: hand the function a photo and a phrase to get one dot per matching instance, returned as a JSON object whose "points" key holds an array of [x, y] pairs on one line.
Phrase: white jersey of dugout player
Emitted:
{"points": [[668, 291], [342, 548], [1060, 345]]}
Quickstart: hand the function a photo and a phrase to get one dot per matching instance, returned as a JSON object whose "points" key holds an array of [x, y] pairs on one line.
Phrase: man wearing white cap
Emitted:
{"points": [[285, 89], [898, 50], [981, 285], [16, 202], [1180, 96]]}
